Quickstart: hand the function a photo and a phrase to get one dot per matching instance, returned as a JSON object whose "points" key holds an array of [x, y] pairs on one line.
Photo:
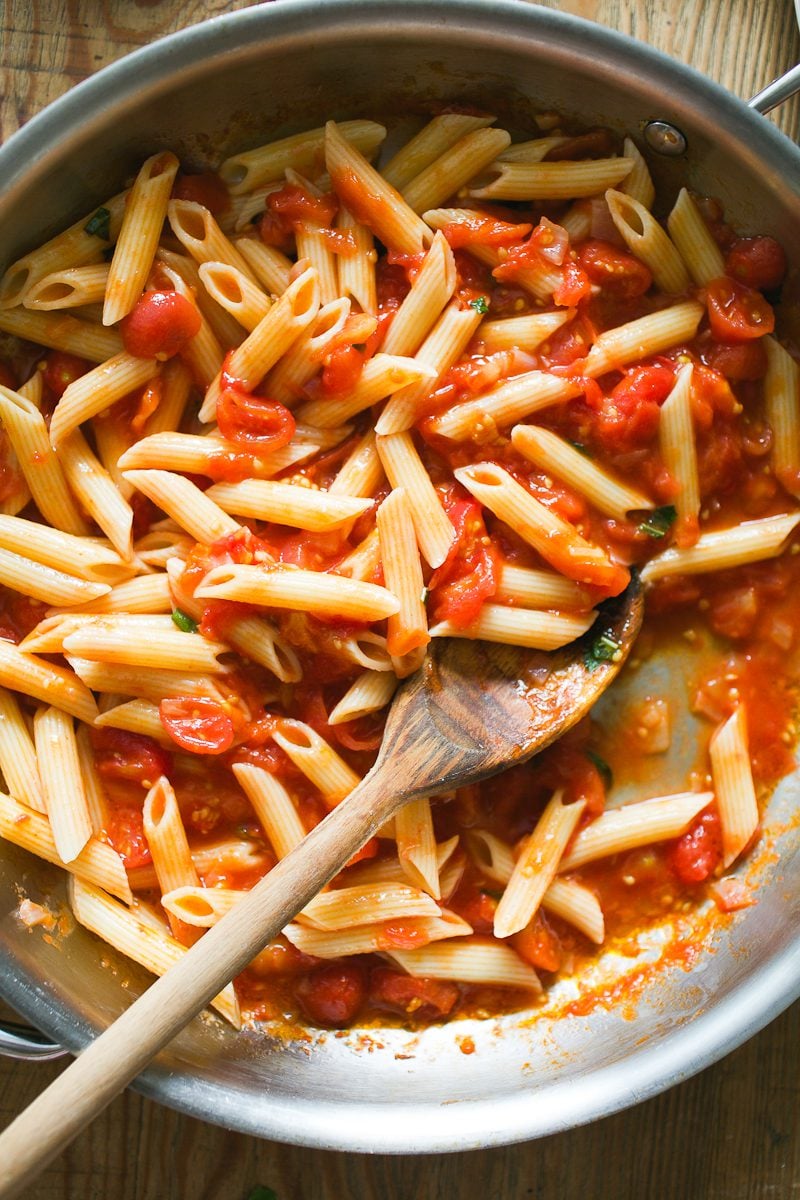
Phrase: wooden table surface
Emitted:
{"points": [[731, 1133]]}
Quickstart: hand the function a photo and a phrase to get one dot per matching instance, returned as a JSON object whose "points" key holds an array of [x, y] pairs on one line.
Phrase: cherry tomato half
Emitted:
{"points": [[333, 994], [249, 420], [160, 324], [125, 832], [197, 724], [206, 188], [737, 313], [60, 370], [615, 271], [759, 262], [695, 855]]}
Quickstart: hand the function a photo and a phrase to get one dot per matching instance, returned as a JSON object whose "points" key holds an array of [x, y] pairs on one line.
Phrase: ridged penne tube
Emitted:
{"points": [[208, 454], [146, 683], [443, 346], [45, 583], [578, 905], [135, 716], [557, 456], [87, 558], [528, 587], [511, 401], [346, 907], [96, 799], [645, 238], [490, 854], [749, 542], [144, 594], [405, 469], [635, 825], [523, 333], [138, 939], [238, 217], [534, 150], [782, 410], [476, 960], [28, 434], [97, 390], [17, 755], [645, 336], [97, 492], [696, 246], [366, 649], [357, 270], [416, 845], [287, 504], [274, 807], [550, 535], [269, 265], [369, 693], [361, 473], [303, 151], [158, 546], [430, 291], [407, 629], [676, 440], [97, 863], [198, 906], [314, 246], [577, 220], [539, 280], [218, 327], [185, 503], [144, 641], [270, 339], [112, 438], [370, 939], [364, 562], [318, 761], [142, 221], [638, 183], [447, 174], [733, 785], [371, 200], [537, 865], [197, 230], [520, 627], [62, 781], [304, 358], [430, 143], [46, 682], [75, 247], [258, 639], [166, 837], [69, 288], [59, 331], [48, 636], [235, 292], [296, 588], [176, 383], [553, 180], [379, 378]]}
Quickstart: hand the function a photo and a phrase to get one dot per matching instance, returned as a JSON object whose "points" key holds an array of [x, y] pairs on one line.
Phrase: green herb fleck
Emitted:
{"points": [[99, 223], [497, 896], [184, 621], [659, 522], [603, 649], [584, 450], [606, 774], [262, 1193], [481, 305]]}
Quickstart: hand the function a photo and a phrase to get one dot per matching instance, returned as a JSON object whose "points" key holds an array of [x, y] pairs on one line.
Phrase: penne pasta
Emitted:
{"points": [[635, 825], [749, 542], [733, 785]]}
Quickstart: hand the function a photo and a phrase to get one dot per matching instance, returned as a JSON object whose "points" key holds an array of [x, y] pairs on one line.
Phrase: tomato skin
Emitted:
{"points": [[125, 832], [60, 370], [7, 378], [248, 420], [738, 360], [538, 945], [696, 854], [483, 231], [332, 994], [758, 262], [342, 369], [614, 270], [160, 325], [197, 724], [737, 313], [205, 188], [629, 417], [469, 575], [409, 995], [122, 755], [574, 285]]}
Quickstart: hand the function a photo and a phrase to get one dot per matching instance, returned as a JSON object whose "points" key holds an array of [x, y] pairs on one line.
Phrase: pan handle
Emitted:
{"points": [[782, 88], [23, 1041]]}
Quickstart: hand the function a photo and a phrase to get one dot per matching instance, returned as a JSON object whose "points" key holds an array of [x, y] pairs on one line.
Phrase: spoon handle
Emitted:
{"points": [[110, 1062]]}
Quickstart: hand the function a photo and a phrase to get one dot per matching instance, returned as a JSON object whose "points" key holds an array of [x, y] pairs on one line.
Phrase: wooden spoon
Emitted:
{"points": [[472, 710]]}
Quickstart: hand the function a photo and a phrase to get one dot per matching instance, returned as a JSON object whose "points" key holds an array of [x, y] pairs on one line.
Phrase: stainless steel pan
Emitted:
{"points": [[261, 73]]}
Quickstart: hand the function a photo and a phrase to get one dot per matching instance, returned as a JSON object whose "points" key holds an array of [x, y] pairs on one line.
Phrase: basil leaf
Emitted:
{"points": [[98, 224], [604, 649], [184, 621], [481, 305], [606, 774], [262, 1193]]}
